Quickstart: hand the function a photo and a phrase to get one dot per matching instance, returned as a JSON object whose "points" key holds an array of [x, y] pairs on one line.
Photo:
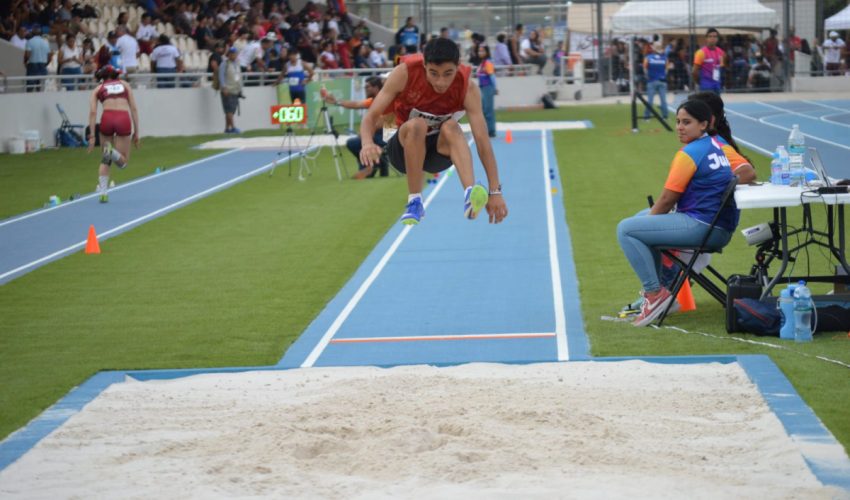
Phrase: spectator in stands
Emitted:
{"points": [[328, 59], [64, 12], [70, 62], [655, 66], [146, 34], [400, 52], [362, 31], [89, 57], [832, 49], [531, 51], [486, 75], [759, 76], [708, 63], [129, 49], [378, 59], [739, 69], [371, 88], [297, 74], [361, 60], [444, 33], [19, 40], [214, 62], [277, 61], [771, 50], [501, 52], [203, 33], [230, 78], [558, 55], [408, 36], [514, 44], [474, 58], [108, 53], [37, 56], [121, 22], [250, 52], [166, 59]]}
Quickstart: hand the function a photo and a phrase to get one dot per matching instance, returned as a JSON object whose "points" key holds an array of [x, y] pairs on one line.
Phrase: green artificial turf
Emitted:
{"points": [[232, 279]]}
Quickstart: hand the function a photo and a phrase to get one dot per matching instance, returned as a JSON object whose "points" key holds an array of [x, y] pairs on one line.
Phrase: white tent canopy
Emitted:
{"points": [[840, 21], [655, 16]]}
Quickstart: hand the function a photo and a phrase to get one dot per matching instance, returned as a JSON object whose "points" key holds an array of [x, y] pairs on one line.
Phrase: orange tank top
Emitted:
{"points": [[419, 99]]}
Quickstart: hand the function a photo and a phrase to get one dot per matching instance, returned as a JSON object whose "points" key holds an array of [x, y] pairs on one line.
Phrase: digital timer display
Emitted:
{"points": [[289, 114]]}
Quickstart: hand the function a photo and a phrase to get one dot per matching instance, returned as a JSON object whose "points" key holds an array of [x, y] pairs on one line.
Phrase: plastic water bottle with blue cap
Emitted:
{"points": [[786, 165], [802, 313], [796, 149], [785, 304]]}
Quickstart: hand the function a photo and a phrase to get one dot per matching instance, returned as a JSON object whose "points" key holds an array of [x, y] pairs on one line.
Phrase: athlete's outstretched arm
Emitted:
{"points": [[371, 153], [496, 207]]}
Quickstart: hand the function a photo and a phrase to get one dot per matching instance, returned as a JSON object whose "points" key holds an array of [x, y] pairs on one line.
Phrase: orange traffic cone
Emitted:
{"points": [[686, 298], [509, 138], [92, 246]]}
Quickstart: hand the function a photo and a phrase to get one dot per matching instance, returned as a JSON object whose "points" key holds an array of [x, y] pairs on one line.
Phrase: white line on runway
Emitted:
{"points": [[176, 204], [555, 265]]}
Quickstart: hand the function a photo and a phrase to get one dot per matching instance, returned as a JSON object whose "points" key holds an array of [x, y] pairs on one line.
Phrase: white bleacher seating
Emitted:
{"points": [[191, 44]]}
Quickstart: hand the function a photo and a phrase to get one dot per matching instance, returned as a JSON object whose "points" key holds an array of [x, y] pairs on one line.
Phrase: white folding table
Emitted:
{"points": [[780, 198]]}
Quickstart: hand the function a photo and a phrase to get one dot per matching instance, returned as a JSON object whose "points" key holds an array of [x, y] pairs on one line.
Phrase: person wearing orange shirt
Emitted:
{"points": [[372, 87]]}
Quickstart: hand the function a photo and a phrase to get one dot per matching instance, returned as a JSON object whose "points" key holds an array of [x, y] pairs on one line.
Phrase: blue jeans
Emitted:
{"points": [[36, 69], [488, 105], [71, 83], [660, 88], [165, 82], [354, 145], [643, 236]]}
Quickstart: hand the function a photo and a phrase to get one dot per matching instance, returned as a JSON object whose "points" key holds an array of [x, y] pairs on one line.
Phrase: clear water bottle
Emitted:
{"points": [[784, 159], [796, 149], [785, 304], [802, 313], [775, 168]]}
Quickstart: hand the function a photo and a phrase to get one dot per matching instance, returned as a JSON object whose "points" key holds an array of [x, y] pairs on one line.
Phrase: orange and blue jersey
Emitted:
{"points": [[486, 74], [736, 159], [701, 172], [710, 60]]}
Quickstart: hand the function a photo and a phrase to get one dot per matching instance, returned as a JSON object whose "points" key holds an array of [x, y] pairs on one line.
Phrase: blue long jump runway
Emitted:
{"points": [[826, 125], [452, 290], [34, 239]]}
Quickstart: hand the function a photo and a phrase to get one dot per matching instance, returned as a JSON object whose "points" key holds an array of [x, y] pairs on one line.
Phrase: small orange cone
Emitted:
{"points": [[509, 137], [686, 298], [92, 246]]}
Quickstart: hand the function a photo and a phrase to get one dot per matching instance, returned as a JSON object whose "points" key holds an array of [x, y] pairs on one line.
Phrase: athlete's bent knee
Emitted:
{"points": [[451, 130]]}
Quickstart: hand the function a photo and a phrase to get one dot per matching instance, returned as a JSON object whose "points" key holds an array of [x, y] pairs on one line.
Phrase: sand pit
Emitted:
{"points": [[482, 430]]}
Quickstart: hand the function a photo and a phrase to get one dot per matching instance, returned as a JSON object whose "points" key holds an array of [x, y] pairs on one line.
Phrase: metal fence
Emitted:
{"points": [[766, 42]]}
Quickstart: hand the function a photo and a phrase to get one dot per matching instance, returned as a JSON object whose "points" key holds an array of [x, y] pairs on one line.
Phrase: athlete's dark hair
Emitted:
{"points": [[712, 30], [375, 81], [441, 50], [486, 48], [107, 72], [698, 109], [721, 124]]}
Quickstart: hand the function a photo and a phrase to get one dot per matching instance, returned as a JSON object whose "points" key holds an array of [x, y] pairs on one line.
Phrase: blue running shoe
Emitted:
{"points": [[474, 199], [414, 212]]}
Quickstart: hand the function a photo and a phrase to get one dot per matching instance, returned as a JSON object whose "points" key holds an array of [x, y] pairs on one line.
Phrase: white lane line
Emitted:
{"points": [[176, 204], [364, 287], [116, 188], [555, 265], [826, 118], [763, 122], [470, 336], [788, 111]]}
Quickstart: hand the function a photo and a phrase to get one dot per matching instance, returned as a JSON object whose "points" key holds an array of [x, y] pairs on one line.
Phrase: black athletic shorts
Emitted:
{"points": [[434, 161]]}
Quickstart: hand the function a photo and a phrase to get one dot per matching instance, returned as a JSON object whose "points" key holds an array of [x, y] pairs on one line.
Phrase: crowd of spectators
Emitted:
{"points": [[749, 63]]}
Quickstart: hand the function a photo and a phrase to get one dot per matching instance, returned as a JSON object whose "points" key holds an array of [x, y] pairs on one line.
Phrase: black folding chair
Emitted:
{"points": [[687, 267]]}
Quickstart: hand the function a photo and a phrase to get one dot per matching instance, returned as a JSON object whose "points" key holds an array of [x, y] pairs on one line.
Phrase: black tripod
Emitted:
{"points": [[339, 161], [287, 143]]}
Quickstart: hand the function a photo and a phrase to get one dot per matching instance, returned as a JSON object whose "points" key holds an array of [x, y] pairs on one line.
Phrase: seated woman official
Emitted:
{"points": [[698, 177]]}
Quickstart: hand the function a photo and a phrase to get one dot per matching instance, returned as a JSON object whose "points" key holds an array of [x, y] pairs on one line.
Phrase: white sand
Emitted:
{"points": [[598, 430]]}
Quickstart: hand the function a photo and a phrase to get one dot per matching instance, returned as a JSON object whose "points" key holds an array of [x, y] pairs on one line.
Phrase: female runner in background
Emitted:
{"points": [[119, 108]]}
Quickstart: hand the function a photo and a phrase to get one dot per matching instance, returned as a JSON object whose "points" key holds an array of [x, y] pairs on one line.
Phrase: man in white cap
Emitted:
{"points": [[832, 49], [378, 58]]}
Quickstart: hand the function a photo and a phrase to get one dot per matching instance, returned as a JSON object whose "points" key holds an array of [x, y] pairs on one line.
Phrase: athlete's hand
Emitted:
{"points": [[497, 209], [136, 141], [370, 155]]}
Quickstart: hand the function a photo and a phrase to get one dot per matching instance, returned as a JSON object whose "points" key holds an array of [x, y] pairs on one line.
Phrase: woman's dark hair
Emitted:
{"points": [[721, 124], [164, 40], [486, 49], [698, 109], [441, 50], [501, 38], [107, 72]]}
